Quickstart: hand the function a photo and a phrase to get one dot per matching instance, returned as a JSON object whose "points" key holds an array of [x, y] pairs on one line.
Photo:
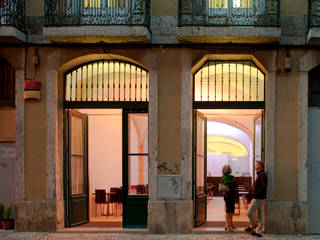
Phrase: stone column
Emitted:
{"points": [[170, 205], [54, 189]]}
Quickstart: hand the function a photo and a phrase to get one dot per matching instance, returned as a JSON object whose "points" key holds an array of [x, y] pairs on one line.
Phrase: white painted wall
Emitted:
{"points": [[105, 148], [215, 163]]}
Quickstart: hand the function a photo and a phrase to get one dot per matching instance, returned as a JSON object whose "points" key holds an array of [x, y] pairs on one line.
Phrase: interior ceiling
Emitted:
{"points": [[223, 145], [230, 112]]}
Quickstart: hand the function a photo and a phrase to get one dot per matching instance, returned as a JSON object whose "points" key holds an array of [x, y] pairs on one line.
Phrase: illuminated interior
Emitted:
{"points": [[223, 145], [229, 81], [107, 81], [224, 3]]}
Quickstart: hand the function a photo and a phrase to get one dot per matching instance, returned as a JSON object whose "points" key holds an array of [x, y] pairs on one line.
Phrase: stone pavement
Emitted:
{"points": [[4, 235]]}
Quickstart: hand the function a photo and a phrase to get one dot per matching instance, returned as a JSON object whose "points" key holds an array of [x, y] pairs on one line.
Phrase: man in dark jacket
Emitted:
{"points": [[257, 203]]}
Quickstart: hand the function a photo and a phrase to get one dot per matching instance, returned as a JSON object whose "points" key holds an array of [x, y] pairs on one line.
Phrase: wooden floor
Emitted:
{"points": [[215, 216], [216, 211]]}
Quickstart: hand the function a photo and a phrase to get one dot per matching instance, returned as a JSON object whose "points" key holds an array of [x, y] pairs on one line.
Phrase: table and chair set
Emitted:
{"points": [[110, 203]]}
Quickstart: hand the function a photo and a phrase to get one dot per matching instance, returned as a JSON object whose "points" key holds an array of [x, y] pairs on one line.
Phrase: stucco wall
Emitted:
{"points": [[35, 132], [169, 91], [170, 131], [289, 7], [35, 8], [286, 138]]}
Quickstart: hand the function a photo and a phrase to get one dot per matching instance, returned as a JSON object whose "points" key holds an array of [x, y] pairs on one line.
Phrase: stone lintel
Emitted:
{"points": [[37, 216], [96, 34], [313, 36], [286, 217], [10, 34], [232, 34], [170, 216]]}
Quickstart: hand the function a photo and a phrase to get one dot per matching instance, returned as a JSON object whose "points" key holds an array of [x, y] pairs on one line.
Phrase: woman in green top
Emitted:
{"points": [[229, 196]]}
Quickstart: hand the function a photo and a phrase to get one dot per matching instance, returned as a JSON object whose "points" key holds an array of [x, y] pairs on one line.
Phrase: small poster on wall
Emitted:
{"points": [[169, 186]]}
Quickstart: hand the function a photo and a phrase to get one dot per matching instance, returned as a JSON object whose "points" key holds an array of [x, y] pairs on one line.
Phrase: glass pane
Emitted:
{"points": [[242, 3], [77, 174], [138, 175], [257, 139], [218, 3], [107, 81], [92, 3], [138, 132], [200, 136], [76, 135], [229, 81], [200, 175], [200, 156]]}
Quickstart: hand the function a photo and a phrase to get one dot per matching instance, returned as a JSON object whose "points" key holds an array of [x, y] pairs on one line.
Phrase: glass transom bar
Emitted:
{"points": [[107, 80], [229, 81]]}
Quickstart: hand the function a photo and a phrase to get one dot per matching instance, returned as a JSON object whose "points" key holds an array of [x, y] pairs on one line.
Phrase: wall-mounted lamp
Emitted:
{"points": [[287, 62], [35, 58]]}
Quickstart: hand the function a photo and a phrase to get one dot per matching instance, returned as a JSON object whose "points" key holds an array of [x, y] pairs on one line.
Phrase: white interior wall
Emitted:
{"points": [[215, 163], [138, 123], [105, 148], [238, 164]]}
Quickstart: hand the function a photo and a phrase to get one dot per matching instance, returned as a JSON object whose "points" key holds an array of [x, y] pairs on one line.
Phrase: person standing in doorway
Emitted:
{"points": [[258, 199], [229, 196]]}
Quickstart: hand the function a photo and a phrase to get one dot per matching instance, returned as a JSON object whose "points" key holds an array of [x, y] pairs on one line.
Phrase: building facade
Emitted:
{"points": [[55, 42]]}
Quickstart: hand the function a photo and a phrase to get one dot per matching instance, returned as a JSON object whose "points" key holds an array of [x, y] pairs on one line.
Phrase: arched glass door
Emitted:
{"points": [[223, 84], [100, 85]]}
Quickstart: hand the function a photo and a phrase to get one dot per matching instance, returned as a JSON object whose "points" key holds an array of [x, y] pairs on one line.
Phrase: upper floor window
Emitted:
{"points": [[7, 84], [226, 3], [104, 3]]}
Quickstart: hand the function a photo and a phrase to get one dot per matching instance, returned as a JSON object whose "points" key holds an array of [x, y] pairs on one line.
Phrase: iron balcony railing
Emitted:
{"points": [[229, 12], [314, 13], [97, 12], [12, 13]]}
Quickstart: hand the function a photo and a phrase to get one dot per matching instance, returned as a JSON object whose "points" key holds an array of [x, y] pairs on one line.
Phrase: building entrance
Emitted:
{"points": [[228, 130], [229, 137], [106, 145]]}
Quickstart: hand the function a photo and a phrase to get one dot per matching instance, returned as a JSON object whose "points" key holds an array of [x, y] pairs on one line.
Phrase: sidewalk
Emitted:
{"points": [[4, 235]]}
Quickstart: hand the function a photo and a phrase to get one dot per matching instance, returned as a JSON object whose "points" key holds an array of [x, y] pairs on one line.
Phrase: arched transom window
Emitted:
{"points": [[107, 80], [227, 81]]}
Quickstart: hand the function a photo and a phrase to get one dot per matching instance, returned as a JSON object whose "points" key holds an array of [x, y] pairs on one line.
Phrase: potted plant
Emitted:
{"points": [[7, 223]]}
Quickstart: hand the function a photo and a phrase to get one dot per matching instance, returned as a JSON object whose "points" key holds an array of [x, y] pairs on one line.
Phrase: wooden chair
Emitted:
{"points": [[237, 203], [112, 198], [101, 199], [118, 201]]}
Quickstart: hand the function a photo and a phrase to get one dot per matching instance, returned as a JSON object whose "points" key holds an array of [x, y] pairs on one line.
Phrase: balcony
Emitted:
{"points": [[313, 35], [93, 21], [239, 21], [12, 21]]}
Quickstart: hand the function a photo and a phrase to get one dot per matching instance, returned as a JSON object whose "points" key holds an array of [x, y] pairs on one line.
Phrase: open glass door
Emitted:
{"points": [[76, 168], [135, 168], [258, 140], [200, 168]]}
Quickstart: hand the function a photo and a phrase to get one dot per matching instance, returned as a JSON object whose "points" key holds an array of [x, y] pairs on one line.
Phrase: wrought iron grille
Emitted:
{"points": [[12, 13], [226, 81], [314, 13], [107, 80], [97, 12], [229, 12]]}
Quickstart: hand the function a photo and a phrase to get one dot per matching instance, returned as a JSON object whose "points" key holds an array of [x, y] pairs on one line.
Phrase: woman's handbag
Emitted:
{"points": [[223, 187]]}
